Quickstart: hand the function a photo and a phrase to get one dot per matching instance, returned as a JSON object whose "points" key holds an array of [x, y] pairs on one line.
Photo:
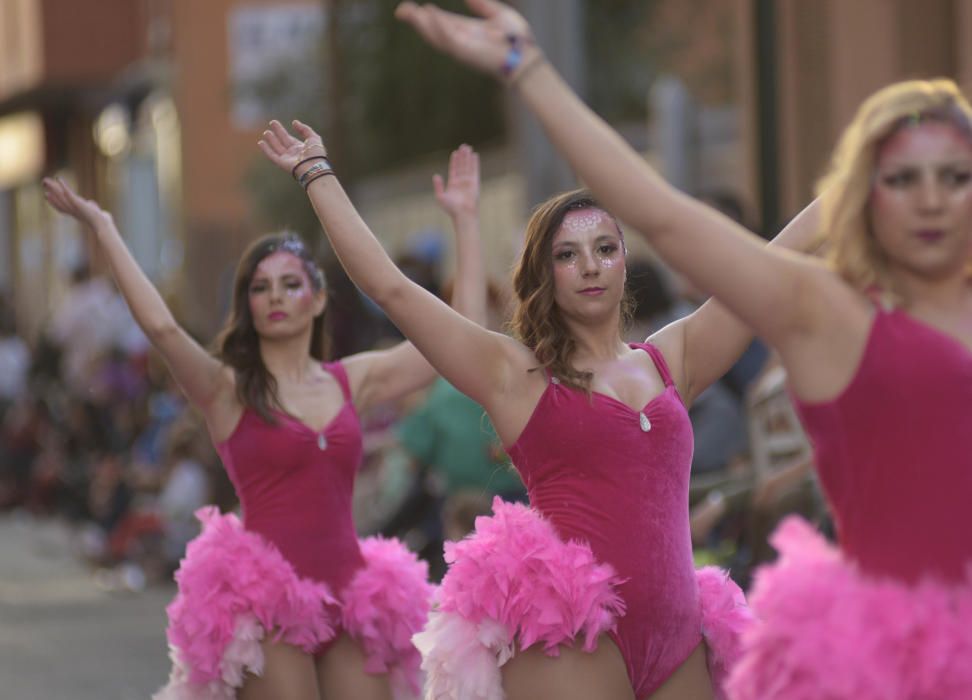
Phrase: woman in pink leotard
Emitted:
{"points": [[877, 344], [288, 603], [592, 591]]}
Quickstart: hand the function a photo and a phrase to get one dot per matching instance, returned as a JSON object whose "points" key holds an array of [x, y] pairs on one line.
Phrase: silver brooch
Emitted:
{"points": [[645, 423]]}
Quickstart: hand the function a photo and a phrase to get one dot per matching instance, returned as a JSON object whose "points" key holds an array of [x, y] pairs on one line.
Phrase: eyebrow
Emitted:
{"points": [[602, 237], [950, 163], [263, 277]]}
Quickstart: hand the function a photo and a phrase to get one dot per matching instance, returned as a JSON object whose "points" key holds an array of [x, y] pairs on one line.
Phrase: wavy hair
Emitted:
{"points": [[845, 190], [537, 321], [238, 344]]}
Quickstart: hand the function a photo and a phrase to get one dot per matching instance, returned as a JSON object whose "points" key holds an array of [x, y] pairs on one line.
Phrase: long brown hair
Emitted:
{"points": [[537, 321], [238, 344]]}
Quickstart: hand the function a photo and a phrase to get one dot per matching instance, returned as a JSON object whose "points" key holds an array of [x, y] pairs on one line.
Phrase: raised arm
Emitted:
{"points": [[711, 339], [458, 196], [203, 379], [385, 375], [475, 360], [785, 297]]}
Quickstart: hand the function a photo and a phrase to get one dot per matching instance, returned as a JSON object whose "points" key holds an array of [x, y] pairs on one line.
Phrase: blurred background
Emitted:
{"points": [[154, 107]]}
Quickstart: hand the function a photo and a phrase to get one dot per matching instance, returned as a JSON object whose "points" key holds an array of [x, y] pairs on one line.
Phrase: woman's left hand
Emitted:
{"points": [[286, 151]]}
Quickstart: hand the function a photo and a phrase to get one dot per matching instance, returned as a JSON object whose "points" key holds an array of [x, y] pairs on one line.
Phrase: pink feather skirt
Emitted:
{"points": [[236, 590], [826, 631], [514, 583]]}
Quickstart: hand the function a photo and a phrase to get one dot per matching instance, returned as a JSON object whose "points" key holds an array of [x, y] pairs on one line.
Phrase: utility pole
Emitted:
{"points": [[558, 26]]}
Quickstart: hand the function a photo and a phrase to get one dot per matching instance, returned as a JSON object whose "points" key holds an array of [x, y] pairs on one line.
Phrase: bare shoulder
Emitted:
{"points": [[225, 411], [670, 341], [822, 357], [834, 307]]}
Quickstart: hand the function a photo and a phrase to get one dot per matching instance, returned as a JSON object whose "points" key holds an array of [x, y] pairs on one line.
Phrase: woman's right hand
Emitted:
{"points": [[65, 200], [482, 43]]}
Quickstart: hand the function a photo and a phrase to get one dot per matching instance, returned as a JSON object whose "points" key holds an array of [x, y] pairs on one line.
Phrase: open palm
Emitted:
{"points": [[65, 200], [459, 195], [480, 42], [285, 150]]}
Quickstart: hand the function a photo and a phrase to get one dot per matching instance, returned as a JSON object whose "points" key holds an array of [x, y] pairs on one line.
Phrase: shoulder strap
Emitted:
{"points": [[338, 372], [659, 360]]}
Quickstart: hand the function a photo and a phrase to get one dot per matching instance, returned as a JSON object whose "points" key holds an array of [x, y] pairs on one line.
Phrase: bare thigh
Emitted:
{"points": [[573, 675], [288, 674], [689, 682], [341, 674]]}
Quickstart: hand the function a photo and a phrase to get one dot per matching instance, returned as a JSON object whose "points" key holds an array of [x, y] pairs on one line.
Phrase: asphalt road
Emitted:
{"points": [[64, 636]]}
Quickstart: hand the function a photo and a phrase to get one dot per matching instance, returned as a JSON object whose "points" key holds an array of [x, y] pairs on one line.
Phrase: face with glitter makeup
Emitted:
{"points": [[921, 200], [282, 299], [588, 264]]}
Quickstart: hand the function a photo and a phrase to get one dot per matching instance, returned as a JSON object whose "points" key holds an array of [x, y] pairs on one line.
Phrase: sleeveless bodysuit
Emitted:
{"points": [[297, 495], [894, 452], [617, 479]]}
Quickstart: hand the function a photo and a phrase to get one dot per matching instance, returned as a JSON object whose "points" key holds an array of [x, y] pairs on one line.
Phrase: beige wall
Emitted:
{"points": [[832, 54]]}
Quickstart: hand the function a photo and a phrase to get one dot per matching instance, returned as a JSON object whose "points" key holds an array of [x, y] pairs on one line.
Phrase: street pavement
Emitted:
{"points": [[64, 636]]}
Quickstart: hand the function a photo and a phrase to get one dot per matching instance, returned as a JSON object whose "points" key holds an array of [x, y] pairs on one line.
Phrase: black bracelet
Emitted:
{"points": [[318, 176], [323, 165], [308, 159], [315, 171]]}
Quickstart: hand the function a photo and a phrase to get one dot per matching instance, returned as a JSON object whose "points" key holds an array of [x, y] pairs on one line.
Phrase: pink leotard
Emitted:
{"points": [[296, 495], [598, 477], [894, 452]]}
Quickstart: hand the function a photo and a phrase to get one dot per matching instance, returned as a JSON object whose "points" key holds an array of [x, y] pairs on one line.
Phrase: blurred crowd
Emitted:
{"points": [[94, 431]]}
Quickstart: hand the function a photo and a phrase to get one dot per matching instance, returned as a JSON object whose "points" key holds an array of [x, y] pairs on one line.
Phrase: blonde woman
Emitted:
{"points": [[877, 344]]}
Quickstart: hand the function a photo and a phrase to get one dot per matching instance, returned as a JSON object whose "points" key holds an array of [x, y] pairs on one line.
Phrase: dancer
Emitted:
{"points": [[877, 345], [599, 572], [288, 603]]}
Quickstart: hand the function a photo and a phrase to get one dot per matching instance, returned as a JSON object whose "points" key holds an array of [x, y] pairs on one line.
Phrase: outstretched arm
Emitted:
{"points": [[459, 198], [475, 360], [385, 375], [710, 340], [202, 378], [783, 296]]}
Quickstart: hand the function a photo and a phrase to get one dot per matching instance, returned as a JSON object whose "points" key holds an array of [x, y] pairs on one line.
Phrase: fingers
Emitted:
{"points": [[282, 134], [486, 8], [271, 140], [58, 194], [268, 151], [52, 193], [422, 21], [405, 10], [439, 186], [464, 163], [304, 131]]}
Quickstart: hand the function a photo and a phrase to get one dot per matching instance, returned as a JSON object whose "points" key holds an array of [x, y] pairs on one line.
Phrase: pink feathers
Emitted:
{"points": [[235, 588], [825, 631], [384, 605], [513, 582]]}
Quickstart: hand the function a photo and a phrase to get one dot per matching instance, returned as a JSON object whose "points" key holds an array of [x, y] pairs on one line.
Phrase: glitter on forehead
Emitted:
{"points": [[581, 220], [291, 245]]}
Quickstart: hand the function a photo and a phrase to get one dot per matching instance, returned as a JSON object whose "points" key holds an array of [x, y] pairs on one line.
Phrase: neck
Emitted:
{"points": [[288, 359], [947, 293], [597, 341]]}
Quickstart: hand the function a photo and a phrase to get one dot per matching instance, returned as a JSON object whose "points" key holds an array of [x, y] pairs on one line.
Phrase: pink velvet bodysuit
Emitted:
{"points": [[297, 495], [894, 452], [598, 476]]}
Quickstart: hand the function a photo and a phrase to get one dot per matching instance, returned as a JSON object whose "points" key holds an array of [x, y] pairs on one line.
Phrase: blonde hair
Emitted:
{"points": [[845, 190]]}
